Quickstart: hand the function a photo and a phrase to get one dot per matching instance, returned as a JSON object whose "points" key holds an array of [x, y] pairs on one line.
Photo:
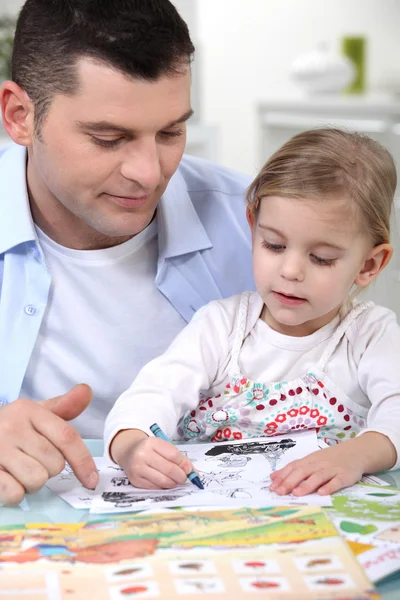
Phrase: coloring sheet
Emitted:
{"points": [[233, 474], [69, 488]]}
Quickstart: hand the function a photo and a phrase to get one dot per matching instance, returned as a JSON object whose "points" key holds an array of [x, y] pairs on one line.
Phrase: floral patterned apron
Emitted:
{"points": [[252, 409]]}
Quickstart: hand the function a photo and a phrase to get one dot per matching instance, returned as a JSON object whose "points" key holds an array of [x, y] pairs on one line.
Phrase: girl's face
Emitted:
{"points": [[307, 254]]}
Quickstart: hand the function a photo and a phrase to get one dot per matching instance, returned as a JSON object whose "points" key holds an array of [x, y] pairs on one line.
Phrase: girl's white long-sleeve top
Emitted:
{"points": [[365, 365]]}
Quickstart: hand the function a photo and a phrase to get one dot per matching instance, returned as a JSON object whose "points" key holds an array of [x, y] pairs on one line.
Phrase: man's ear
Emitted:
{"points": [[375, 262], [17, 113]]}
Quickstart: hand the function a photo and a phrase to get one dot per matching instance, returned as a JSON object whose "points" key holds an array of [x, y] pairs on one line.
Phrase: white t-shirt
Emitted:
{"points": [[365, 365], [104, 321]]}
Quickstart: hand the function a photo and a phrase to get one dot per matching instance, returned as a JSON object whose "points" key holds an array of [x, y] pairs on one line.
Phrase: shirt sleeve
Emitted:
{"points": [[377, 351], [169, 385]]}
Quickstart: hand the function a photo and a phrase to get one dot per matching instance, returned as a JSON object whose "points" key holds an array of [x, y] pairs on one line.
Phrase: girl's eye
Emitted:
{"points": [[273, 247], [326, 262], [106, 143]]}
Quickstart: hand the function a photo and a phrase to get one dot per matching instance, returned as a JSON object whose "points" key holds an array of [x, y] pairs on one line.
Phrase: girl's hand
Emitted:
{"points": [[331, 469], [150, 462], [325, 471]]}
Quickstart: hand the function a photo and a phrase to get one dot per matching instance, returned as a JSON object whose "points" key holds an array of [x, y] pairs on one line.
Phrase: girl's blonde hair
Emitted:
{"points": [[331, 163]]}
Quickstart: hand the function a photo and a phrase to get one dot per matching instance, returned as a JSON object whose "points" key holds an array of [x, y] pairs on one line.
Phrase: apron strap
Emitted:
{"points": [[341, 330], [240, 330]]}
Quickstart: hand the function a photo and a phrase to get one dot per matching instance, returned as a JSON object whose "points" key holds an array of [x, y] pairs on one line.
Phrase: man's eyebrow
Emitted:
{"points": [[185, 117], [102, 126]]}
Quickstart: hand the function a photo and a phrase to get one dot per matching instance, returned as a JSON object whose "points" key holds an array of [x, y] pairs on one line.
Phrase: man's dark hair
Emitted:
{"points": [[144, 39]]}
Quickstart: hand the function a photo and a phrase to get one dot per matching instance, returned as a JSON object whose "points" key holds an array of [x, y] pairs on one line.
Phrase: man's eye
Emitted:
{"points": [[172, 134], [106, 143]]}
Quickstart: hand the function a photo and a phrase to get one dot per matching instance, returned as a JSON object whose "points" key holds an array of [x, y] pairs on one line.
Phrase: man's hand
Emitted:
{"points": [[149, 462], [36, 440], [331, 469]]}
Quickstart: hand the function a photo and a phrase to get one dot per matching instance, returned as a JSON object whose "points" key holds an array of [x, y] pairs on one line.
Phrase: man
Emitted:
{"points": [[108, 241]]}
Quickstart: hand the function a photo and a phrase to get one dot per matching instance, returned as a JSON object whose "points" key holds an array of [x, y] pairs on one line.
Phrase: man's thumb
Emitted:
{"points": [[71, 404]]}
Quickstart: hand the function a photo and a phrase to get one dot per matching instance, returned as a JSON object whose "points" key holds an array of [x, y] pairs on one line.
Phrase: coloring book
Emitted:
{"points": [[279, 553], [233, 473]]}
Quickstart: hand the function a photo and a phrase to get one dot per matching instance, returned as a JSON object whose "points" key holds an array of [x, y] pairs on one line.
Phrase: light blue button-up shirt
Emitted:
{"points": [[204, 253]]}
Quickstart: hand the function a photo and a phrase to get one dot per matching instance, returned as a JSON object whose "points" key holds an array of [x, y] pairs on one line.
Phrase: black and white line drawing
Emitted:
{"points": [[232, 472], [272, 451], [232, 461], [67, 473], [235, 493], [128, 499], [118, 481], [218, 478]]}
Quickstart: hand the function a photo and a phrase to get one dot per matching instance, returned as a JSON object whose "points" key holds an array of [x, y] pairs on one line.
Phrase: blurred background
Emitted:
{"points": [[245, 80], [265, 70]]}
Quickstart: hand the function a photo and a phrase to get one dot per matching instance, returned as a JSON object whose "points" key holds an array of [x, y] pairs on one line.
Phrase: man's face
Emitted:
{"points": [[106, 154]]}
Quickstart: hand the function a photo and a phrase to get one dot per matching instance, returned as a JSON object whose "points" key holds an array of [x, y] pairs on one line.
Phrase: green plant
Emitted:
{"points": [[7, 28]]}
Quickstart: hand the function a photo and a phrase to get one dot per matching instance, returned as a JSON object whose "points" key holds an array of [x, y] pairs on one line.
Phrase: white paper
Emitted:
{"points": [[69, 488], [233, 474], [373, 480]]}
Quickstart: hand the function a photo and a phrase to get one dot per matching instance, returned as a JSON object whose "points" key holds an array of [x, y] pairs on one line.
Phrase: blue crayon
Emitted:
{"points": [[158, 432]]}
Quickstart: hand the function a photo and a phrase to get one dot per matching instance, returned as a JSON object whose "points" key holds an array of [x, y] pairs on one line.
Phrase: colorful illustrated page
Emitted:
{"points": [[286, 553]]}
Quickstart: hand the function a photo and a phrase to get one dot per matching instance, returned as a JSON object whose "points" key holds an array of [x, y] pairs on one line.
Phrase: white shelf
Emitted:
{"points": [[368, 105]]}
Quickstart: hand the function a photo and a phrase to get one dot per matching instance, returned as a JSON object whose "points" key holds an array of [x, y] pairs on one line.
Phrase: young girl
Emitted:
{"points": [[299, 353]]}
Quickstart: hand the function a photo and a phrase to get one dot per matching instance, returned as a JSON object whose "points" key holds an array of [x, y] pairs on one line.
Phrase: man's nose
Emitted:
{"points": [[142, 165]]}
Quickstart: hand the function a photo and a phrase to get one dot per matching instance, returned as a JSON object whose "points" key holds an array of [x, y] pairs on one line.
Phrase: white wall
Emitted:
{"points": [[10, 6], [249, 45], [188, 11]]}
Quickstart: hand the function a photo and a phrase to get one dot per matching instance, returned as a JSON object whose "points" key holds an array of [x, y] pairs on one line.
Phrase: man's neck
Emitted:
{"points": [[77, 236]]}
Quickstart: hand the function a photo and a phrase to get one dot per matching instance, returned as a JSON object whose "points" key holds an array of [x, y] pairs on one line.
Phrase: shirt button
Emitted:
{"points": [[30, 310]]}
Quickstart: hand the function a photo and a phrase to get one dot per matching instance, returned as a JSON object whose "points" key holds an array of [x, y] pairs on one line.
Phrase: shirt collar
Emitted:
{"points": [[179, 227], [180, 230], [16, 225]]}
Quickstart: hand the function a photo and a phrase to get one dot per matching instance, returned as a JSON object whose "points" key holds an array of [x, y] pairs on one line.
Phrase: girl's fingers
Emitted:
{"points": [[171, 473], [169, 452], [293, 479], [152, 479], [335, 484], [313, 483], [278, 477]]}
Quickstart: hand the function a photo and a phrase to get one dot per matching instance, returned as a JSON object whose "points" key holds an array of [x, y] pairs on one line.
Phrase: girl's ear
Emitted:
{"points": [[375, 262], [251, 217]]}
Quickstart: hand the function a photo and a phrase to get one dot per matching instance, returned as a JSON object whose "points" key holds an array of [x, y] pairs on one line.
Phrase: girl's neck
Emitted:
{"points": [[302, 329]]}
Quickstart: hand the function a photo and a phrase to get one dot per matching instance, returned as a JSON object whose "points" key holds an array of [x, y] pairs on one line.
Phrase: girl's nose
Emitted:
{"points": [[292, 267]]}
